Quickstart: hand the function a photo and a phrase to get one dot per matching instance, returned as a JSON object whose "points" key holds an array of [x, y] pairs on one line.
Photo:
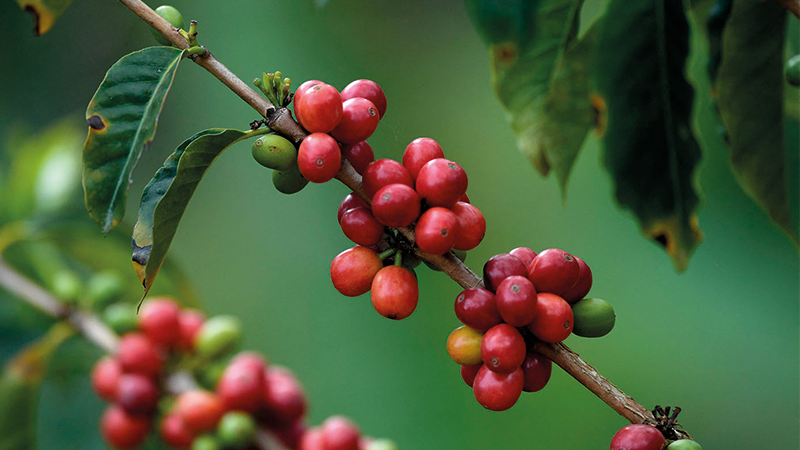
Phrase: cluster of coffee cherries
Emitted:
{"points": [[646, 437], [238, 393], [526, 297]]}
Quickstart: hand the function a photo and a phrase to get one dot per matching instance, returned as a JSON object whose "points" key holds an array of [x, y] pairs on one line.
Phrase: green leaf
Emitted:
{"points": [[648, 144], [750, 96], [541, 74], [167, 195], [122, 119], [45, 12]]}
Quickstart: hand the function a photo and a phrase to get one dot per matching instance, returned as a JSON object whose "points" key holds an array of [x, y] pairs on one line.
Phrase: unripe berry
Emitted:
{"points": [[159, 321], [394, 292], [105, 378], [369, 90], [206, 442], [495, 391], [139, 354], [122, 430], [236, 430], [436, 231], [593, 317], [502, 349], [353, 270], [477, 309], [638, 437], [121, 317], [319, 158], [289, 181], [464, 346], [441, 182], [684, 444], [339, 433], [200, 411], [171, 15], [219, 335], [274, 152]]}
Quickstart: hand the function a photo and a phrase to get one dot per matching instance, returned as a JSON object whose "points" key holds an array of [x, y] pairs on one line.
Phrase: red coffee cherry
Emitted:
{"points": [[554, 271], [241, 385], [464, 198], [536, 369], [496, 391], [359, 120], [319, 108], [477, 309], [524, 254], [384, 172], [311, 440], [419, 152], [369, 90], [395, 292], [349, 202], [468, 373], [396, 205], [137, 394], [516, 301], [436, 231], [139, 354], [638, 437], [339, 433], [291, 434], [105, 378], [190, 322], [159, 321], [441, 182], [200, 411], [502, 349], [174, 433], [319, 158], [361, 227], [471, 226], [283, 396], [581, 287], [553, 322], [359, 154], [464, 346], [499, 267], [298, 94], [122, 430], [353, 270]]}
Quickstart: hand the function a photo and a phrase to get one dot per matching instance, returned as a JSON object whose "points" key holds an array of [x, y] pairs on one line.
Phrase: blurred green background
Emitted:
{"points": [[720, 340]]}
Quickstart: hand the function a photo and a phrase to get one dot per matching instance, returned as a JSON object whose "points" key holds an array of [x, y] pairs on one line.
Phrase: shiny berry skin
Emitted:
{"points": [[139, 354], [137, 394], [502, 348], [582, 286], [468, 373], [359, 120], [339, 433], [396, 205], [319, 108], [419, 152], [593, 317], [464, 346], [536, 369], [638, 437], [369, 90], [274, 152], [684, 444], [441, 182], [349, 202], [171, 15], [553, 322], [284, 399], [361, 227], [174, 433], [524, 254], [383, 172], [159, 321], [241, 385], [554, 271], [289, 181], [471, 226], [436, 231], [319, 158], [516, 301], [200, 411], [395, 292], [105, 378], [301, 89], [122, 430], [190, 322], [499, 267], [359, 154], [353, 270], [496, 391], [477, 309]]}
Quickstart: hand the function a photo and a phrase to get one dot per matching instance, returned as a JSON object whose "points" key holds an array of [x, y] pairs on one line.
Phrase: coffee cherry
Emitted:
{"points": [[319, 158], [105, 378], [121, 317], [289, 181], [236, 430], [396, 205], [171, 15], [419, 152], [536, 369], [298, 93], [524, 254], [436, 231], [122, 430], [311, 440], [361, 227], [339, 433], [499, 267], [496, 391], [554, 271], [139, 354], [441, 182], [174, 433], [593, 317], [274, 152], [369, 90], [190, 322], [468, 373], [291, 434], [471, 226], [359, 154], [464, 346], [200, 411], [582, 286], [792, 72], [159, 321], [516, 301], [383, 172], [218, 336], [241, 385], [553, 322], [502, 348], [395, 292], [638, 437], [379, 444], [349, 202], [206, 442], [684, 444], [319, 108], [283, 396], [208, 376], [353, 270], [477, 309], [137, 394], [359, 120]]}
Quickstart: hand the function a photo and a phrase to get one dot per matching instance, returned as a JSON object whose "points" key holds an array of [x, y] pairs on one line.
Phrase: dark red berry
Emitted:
{"points": [[554, 271], [581, 287], [190, 322], [139, 354], [499, 267], [319, 108], [349, 202], [441, 182], [436, 231], [359, 120], [419, 152], [638, 437], [396, 205], [359, 154], [471, 226], [339, 433], [174, 433], [537, 369], [553, 322], [369, 90], [283, 396], [319, 158], [496, 391], [383, 172], [122, 430], [292, 433], [524, 254], [105, 378], [137, 394], [503, 348], [353, 270], [468, 373], [159, 321], [361, 227], [395, 292], [477, 309], [241, 385], [516, 300]]}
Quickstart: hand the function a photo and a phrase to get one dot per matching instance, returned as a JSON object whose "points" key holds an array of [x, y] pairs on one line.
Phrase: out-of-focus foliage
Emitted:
{"points": [[45, 12]]}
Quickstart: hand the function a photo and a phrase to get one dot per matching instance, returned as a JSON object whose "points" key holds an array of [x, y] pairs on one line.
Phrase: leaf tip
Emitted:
{"points": [[678, 238]]}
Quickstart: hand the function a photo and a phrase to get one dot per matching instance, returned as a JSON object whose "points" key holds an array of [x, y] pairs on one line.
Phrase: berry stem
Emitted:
{"points": [[386, 253]]}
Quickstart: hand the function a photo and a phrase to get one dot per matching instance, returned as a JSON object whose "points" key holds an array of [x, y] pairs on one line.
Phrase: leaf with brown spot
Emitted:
{"points": [[45, 12]]}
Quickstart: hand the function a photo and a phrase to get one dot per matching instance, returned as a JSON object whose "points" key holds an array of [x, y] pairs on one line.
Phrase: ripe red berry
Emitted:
{"points": [[581, 287], [137, 394], [319, 108], [441, 182], [638, 437], [350, 201], [496, 391], [554, 271], [524, 254], [105, 378], [174, 433], [159, 321], [319, 158], [339, 433], [468, 373], [396, 205], [139, 354], [537, 369], [499, 267], [477, 309], [516, 301], [283, 396], [359, 154], [241, 385], [311, 440], [361, 227], [353, 270], [200, 411], [383, 172], [122, 430], [369, 90], [419, 152], [190, 322], [471, 226], [359, 120], [502, 348], [553, 322], [395, 292], [298, 94], [436, 231]]}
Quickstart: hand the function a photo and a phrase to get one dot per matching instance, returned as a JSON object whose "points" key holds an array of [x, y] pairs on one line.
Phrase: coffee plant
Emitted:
{"points": [[95, 356]]}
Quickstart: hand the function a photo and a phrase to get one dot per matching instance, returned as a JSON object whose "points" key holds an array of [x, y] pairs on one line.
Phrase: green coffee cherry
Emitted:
{"points": [[289, 181], [206, 442], [793, 70], [103, 287], [684, 444], [171, 15], [593, 317], [208, 376], [275, 152], [381, 444], [67, 285], [236, 430], [121, 317], [219, 335]]}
